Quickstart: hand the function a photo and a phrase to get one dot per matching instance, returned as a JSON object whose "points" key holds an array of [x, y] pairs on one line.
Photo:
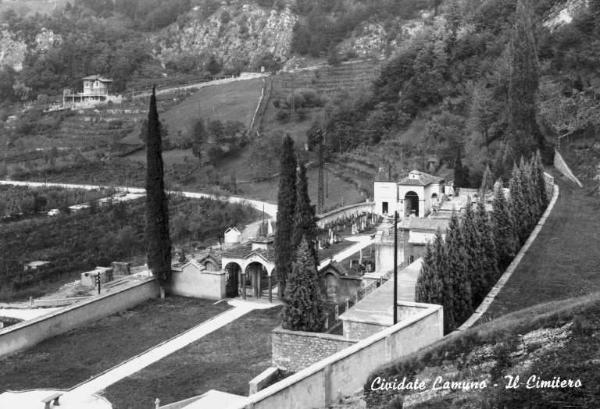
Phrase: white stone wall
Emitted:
{"points": [[385, 192], [200, 284]]}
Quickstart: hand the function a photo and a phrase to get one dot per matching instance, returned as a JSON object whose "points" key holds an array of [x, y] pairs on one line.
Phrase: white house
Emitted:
{"points": [[414, 195], [232, 236], [95, 91]]}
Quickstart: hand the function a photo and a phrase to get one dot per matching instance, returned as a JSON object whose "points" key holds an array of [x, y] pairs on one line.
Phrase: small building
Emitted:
{"points": [[35, 265], [95, 91], [413, 196], [338, 283], [201, 277], [232, 236], [89, 278], [243, 270], [415, 233]]}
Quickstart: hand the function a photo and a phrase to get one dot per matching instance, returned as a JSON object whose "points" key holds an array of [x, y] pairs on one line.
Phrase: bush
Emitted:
{"points": [[283, 115]]}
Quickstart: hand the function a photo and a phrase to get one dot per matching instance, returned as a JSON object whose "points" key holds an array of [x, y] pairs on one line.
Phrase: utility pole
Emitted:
{"points": [[320, 193], [395, 307]]}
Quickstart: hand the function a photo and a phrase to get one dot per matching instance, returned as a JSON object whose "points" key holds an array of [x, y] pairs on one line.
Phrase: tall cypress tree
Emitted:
{"points": [[304, 307], [286, 206], [518, 206], [530, 189], [441, 271], [158, 242], [461, 172], [474, 260], [305, 219], [457, 271], [524, 132], [429, 284], [538, 175], [489, 253], [503, 228]]}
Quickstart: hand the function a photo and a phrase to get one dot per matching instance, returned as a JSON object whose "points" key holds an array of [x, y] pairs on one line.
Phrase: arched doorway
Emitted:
{"points": [[257, 278], [411, 204], [233, 272]]}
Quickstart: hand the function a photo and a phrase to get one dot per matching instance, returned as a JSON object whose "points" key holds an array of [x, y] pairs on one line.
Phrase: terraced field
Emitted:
{"points": [[326, 81]]}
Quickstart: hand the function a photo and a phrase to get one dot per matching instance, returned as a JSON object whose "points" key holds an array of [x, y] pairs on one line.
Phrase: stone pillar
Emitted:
{"points": [[270, 289], [243, 285]]}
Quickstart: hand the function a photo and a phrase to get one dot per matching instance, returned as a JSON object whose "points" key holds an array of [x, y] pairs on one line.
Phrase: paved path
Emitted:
{"points": [[269, 208], [362, 241], [160, 351]]}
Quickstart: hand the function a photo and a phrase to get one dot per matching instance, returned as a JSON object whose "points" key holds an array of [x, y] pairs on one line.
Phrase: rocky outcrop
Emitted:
{"points": [[236, 33], [12, 50]]}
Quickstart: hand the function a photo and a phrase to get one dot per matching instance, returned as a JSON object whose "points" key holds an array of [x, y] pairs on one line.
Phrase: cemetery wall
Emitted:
{"points": [[204, 284], [296, 350], [28, 333], [346, 371], [342, 212]]}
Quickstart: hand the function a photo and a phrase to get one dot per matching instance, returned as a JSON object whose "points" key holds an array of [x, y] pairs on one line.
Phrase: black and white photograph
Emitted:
{"points": [[299, 204]]}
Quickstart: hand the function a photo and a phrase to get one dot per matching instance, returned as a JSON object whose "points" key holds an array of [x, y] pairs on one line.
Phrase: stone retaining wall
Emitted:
{"points": [[296, 350]]}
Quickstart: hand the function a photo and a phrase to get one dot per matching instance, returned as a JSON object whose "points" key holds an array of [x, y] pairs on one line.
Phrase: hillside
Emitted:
{"points": [[557, 343]]}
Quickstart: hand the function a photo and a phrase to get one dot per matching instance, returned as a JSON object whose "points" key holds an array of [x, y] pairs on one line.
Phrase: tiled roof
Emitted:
{"points": [[238, 251], [428, 224], [97, 77], [422, 179], [245, 251]]}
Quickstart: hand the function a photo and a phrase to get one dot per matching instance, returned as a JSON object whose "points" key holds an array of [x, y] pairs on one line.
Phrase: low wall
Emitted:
{"points": [[296, 350], [346, 211], [346, 371], [28, 333], [265, 378], [206, 284]]}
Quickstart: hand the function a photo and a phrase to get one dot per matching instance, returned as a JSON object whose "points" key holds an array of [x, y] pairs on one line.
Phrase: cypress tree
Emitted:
{"points": [[489, 254], [518, 206], [305, 219], [440, 270], [524, 132], [461, 173], [303, 310], [429, 284], [487, 183], [158, 242], [286, 206], [503, 228], [473, 250], [538, 175], [456, 256]]}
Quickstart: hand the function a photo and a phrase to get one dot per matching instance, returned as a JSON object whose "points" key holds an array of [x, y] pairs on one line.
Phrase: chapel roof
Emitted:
{"points": [[418, 178]]}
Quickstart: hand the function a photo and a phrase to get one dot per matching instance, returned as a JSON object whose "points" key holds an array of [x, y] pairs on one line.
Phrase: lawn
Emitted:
{"points": [[564, 260], [73, 357], [224, 360]]}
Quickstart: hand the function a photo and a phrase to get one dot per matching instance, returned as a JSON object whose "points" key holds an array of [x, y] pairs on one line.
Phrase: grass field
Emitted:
{"points": [[224, 360], [339, 191], [235, 101], [564, 260], [68, 359]]}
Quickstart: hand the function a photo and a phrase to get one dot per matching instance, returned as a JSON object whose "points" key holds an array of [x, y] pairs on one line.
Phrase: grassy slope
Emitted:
{"points": [[555, 339], [564, 261], [235, 101], [68, 359], [224, 360]]}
